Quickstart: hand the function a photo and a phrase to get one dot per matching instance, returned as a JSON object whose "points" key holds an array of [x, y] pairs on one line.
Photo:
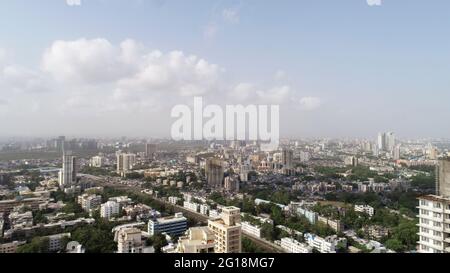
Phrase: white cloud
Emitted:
{"points": [[310, 103], [210, 31], [280, 75], [73, 2], [231, 15], [374, 2], [94, 79]]}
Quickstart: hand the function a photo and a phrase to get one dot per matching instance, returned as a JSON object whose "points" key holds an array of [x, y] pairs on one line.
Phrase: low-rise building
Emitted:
{"points": [[365, 209], [191, 206], [197, 240], [293, 246], [10, 248], [324, 245], [173, 225]]}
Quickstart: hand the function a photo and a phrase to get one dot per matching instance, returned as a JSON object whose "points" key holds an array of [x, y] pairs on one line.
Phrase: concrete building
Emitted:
{"points": [[191, 206], [89, 201], [227, 231], [434, 224], [150, 150], [231, 184], [97, 161], [254, 230], [293, 246], [129, 240], [125, 163], [68, 173], [173, 225], [443, 178], [10, 248], [214, 171], [324, 245], [55, 242], [109, 209], [365, 209], [197, 240]]}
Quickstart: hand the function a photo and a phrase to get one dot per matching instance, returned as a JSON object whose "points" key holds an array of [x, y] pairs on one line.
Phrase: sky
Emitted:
{"points": [[347, 68]]}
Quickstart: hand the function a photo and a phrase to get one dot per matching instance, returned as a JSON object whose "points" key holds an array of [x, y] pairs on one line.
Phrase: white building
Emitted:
{"points": [[254, 230], [173, 200], [89, 201], [109, 209], [434, 224], [96, 161], [365, 209], [68, 173], [129, 240], [191, 206], [294, 246], [324, 245], [204, 209]]}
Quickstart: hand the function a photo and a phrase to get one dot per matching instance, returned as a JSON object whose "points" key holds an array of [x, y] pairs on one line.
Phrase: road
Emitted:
{"points": [[104, 181]]}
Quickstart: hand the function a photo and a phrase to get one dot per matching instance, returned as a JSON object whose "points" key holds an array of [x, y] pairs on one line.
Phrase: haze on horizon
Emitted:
{"points": [[116, 68]]}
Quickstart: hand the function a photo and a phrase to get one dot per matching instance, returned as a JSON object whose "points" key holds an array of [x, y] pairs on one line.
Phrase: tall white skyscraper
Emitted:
{"points": [[68, 173], [390, 141]]}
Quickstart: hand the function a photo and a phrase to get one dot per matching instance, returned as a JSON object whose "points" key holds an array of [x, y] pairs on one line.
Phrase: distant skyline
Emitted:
{"points": [[111, 68]]}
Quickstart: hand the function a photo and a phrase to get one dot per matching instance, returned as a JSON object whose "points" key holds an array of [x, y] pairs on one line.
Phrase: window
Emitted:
{"points": [[437, 205], [437, 233], [423, 203]]}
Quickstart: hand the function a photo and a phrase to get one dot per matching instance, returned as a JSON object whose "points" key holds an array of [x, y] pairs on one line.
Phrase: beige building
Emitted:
{"points": [[197, 240], [10, 248], [129, 240], [227, 231]]}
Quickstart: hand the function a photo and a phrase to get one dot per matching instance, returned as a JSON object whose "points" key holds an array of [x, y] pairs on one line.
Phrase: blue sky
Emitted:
{"points": [[365, 68]]}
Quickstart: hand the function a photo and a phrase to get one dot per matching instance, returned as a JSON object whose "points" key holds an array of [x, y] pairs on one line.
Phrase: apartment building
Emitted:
{"points": [[129, 240], [227, 231], [109, 209], [197, 240], [89, 201], [293, 246]]}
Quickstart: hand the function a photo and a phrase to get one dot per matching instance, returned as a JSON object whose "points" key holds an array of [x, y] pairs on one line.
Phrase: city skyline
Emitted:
{"points": [[108, 69]]}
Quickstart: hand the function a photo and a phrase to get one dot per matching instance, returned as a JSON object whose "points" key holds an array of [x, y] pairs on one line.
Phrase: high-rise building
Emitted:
{"points": [[68, 173], [231, 184], [150, 150], [386, 142], [434, 214], [244, 172], [396, 152], [125, 162], [381, 141], [390, 141], [129, 240], [443, 178], [227, 231], [214, 171], [286, 158]]}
